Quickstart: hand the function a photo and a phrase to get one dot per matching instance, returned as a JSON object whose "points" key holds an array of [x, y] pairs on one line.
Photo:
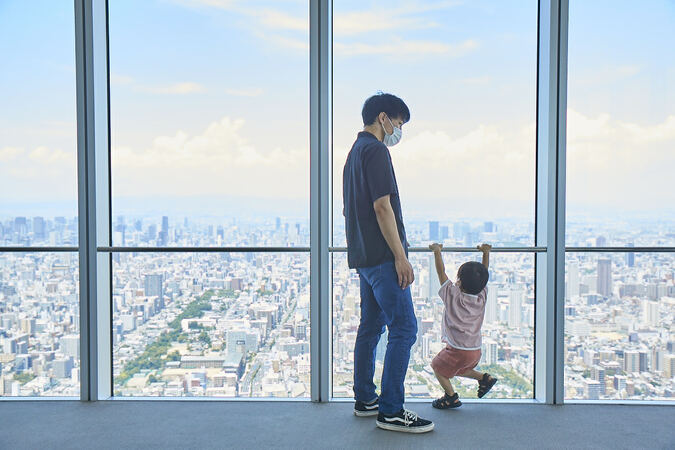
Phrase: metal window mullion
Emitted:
{"points": [[319, 49], [93, 213], [561, 180], [550, 229]]}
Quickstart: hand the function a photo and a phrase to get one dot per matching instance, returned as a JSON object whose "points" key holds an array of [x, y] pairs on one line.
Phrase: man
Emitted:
{"points": [[378, 250]]}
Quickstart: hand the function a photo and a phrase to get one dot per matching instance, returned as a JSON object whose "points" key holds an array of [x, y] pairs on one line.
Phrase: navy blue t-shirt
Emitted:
{"points": [[368, 175]]}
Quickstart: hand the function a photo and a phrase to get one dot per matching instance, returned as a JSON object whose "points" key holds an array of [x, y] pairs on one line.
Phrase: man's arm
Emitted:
{"points": [[387, 222], [438, 259], [485, 249]]}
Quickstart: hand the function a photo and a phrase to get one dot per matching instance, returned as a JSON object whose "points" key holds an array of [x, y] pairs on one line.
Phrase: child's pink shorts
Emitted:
{"points": [[452, 361]]}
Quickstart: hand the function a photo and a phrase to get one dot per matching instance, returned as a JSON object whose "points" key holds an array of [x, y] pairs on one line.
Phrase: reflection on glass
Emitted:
{"points": [[508, 329], [619, 314], [39, 325], [216, 325]]}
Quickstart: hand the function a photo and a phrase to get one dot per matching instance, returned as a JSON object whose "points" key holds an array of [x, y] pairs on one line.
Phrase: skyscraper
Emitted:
{"points": [[154, 287], [433, 231], [445, 232], [39, 229], [605, 277], [630, 257], [164, 234], [20, 226], [434, 284], [515, 307], [491, 306], [572, 280], [634, 361], [650, 313]]}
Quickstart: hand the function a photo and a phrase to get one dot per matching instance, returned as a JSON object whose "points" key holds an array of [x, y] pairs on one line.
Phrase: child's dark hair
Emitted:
{"points": [[474, 276], [390, 104]]}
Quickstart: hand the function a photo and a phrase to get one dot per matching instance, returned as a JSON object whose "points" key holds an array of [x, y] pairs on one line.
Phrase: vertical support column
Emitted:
{"points": [[91, 42], [319, 48], [550, 230]]}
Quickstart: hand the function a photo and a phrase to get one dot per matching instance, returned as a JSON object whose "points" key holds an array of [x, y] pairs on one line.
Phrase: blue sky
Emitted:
{"points": [[209, 100]]}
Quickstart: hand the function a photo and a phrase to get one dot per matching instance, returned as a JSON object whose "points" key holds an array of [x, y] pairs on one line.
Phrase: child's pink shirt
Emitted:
{"points": [[463, 317]]}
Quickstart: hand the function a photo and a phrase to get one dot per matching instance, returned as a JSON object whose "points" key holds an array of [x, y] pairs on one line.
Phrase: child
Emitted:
{"points": [[462, 321]]}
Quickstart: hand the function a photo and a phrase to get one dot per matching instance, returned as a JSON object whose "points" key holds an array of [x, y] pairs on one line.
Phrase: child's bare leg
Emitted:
{"points": [[445, 384], [471, 373]]}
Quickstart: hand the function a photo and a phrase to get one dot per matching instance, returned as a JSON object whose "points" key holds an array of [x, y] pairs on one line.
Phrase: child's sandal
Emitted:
{"points": [[447, 402], [485, 384]]}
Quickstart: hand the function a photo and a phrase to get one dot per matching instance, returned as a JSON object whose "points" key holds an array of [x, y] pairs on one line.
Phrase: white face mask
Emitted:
{"points": [[393, 138]]}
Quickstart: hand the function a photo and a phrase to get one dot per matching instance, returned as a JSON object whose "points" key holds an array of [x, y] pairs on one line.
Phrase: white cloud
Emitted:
{"points": [[44, 155], [219, 161], [399, 18], [357, 22], [42, 175], [619, 165], [182, 88], [405, 47], [8, 154], [280, 20]]}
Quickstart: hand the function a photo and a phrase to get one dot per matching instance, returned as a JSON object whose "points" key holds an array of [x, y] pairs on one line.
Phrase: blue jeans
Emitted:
{"points": [[383, 302]]}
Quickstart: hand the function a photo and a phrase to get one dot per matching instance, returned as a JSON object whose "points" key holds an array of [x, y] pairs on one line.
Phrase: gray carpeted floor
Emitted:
{"points": [[154, 424]]}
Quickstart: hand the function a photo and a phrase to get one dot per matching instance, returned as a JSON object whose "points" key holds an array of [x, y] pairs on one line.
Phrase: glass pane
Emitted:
{"points": [[467, 71], [621, 124], [508, 329], [210, 123], [619, 315], [39, 325], [38, 142], [211, 324]]}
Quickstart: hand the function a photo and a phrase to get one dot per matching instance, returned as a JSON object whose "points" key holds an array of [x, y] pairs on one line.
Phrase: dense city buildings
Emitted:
{"points": [[237, 324]]}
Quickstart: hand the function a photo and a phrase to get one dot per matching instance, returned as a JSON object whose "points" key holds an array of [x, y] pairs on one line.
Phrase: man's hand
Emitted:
{"points": [[436, 248], [485, 248], [405, 273]]}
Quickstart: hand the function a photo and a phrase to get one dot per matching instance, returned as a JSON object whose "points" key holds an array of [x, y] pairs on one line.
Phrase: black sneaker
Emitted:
{"points": [[405, 421], [363, 409]]}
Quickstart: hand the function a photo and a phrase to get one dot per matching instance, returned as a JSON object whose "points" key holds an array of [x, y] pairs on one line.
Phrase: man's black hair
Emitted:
{"points": [[390, 104], [474, 276]]}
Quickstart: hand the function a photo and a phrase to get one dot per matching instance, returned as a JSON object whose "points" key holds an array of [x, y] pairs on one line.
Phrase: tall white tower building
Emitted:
{"points": [[515, 307]]}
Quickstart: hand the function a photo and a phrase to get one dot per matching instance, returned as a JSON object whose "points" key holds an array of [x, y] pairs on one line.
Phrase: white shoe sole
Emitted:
{"points": [[404, 429], [371, 413]]}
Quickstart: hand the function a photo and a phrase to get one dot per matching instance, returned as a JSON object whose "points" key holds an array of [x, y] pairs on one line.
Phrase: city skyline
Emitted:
{"points": [[237, 324]]}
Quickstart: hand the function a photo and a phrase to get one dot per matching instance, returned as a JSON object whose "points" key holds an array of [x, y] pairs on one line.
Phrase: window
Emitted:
{"points": [[507, 331], [620, 136], [210, 148], [38, 169], [211, 324], [39, 291], [209, 123], [465, 166]]}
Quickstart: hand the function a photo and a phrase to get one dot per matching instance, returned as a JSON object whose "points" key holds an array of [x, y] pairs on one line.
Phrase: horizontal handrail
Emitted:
{"points": [[203, 249], [38, 249]]}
